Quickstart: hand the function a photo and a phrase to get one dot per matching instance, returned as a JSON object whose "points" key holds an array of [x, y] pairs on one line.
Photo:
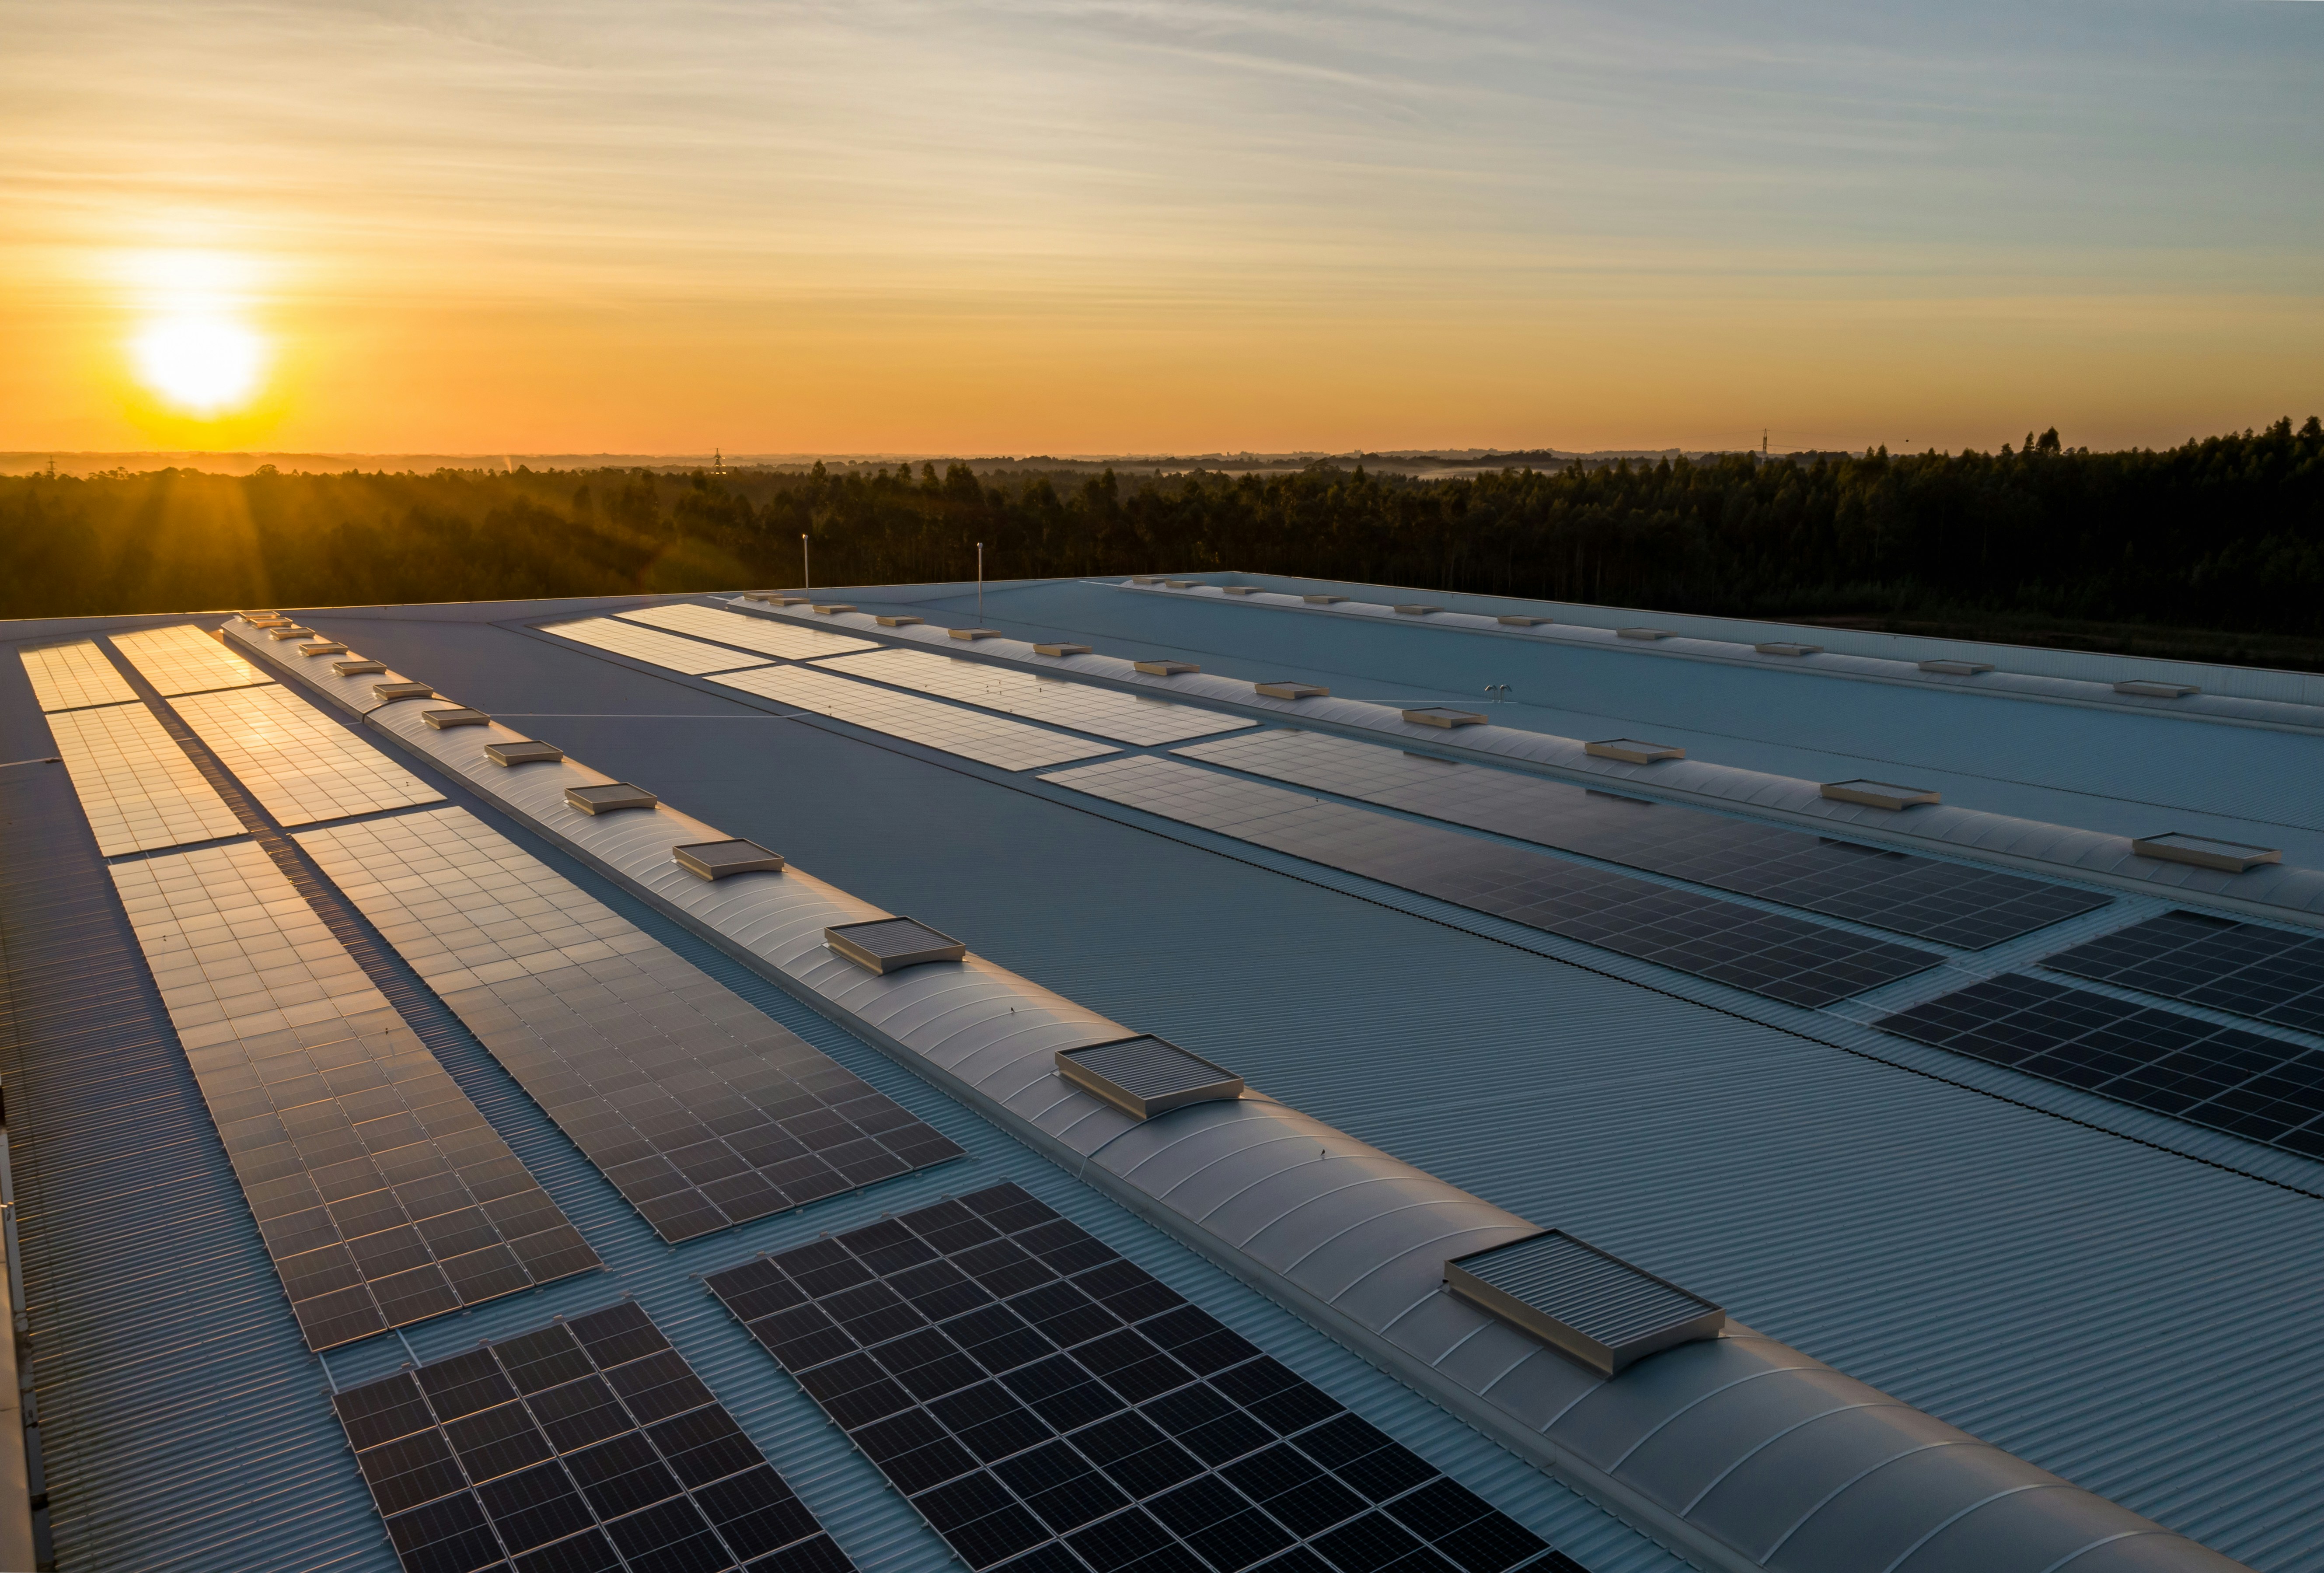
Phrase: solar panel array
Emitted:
{"points": [[1767, 953], [299, 763], [1127, 717], [1046, 1404], [584, 1446], [2246, 969], [184, 660], [137, 787], [1005, 745], [72, 677], [2260, 1089], [383, 1194], [690, 656], [1929, 900], [740, 629], [699, 1108]]}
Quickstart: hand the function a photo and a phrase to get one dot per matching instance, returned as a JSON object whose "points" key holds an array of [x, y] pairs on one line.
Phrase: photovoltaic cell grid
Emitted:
{"points": [[299, 763], [72, 677], [1048, 1405], [699, 1108], [690, 656], [748, 632], [2260, 1089], [1951, 904], [1003, 745], [586, 1446], [2242, 969], [1060, 701], [185, 659], [1768, 953], [383, 1194], [138, 788]]}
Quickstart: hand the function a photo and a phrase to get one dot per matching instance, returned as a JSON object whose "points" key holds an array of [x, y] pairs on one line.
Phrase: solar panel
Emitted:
{"points": [[185, 660], [690, 656], [1768, 953], [383, 1194], [303, 766], [2260, 1089], [2269, 975], [701, 1110], [1948, 903], [1594, 1307], [72, 677], [1038, 697], [1044, 1403], [1002, 743], [587, 1446], [138, 788], [745, 632]]}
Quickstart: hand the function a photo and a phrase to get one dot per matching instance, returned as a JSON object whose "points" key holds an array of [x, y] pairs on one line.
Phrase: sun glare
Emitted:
{"points": [[204, 365]]}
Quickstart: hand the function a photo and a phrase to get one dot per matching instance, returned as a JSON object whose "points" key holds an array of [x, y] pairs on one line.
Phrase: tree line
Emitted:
{"points": [[2225, 533]]}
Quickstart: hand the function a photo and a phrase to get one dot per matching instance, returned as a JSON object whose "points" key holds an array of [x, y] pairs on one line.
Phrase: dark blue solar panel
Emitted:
{"points": [[2246, 969]]}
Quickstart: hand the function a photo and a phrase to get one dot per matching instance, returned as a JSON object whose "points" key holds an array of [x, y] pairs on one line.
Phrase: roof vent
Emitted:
{"points": [[1512, 621], [1165, 668], [892, 944], [1440, 716], [323, 647], [1322, 600], [524, 751], [268, 620], [1597, 1309], [256, 617], [1958, 668], [973, 633], [1180, 584], [2203, 852], [832, 608], [775, 597], [612, 796], [1061, 650], [1145, 578], [2139, 685], [1288, 690], [358, 666], [1243, 590], [460, 715], [1630, 751], [388, 692], [895, 622], [1783, 647], [1417, 610], [1145, 1076], [1878, 794], [1642, 632], [717, 859], [290, 630]]}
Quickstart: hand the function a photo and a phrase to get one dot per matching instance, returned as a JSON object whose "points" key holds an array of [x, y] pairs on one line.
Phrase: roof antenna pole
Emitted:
{"points": [[806, 579], [979, 582]]}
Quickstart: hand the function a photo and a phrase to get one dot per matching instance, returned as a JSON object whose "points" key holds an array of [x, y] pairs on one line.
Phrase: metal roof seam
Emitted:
{"points": [[1935, 1530]]}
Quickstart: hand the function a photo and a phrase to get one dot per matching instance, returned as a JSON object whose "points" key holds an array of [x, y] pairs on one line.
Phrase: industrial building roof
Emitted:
{"points": [[2003, 1173]]}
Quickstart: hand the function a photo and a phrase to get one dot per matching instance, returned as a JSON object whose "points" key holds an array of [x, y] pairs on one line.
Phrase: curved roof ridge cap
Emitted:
{"points": [[1708, 1393], [1935, 1444], [1878, 1400], [1954, 1517]]}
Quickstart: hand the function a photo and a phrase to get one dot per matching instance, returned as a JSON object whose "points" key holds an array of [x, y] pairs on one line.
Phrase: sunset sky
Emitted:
{"points": [[1061, 228]]}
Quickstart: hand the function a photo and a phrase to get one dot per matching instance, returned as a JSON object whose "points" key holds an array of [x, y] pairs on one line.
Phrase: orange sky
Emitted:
{"points": [[1041, 227]]}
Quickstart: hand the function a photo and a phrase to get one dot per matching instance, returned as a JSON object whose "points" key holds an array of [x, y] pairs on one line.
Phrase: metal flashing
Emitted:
{"points": [[1148, 1076]]}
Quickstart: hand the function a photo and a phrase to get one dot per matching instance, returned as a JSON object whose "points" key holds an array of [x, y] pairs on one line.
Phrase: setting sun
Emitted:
{"points": [[203, 366]]}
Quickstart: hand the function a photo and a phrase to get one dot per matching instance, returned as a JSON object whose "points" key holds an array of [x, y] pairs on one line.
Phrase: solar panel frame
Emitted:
{"points": [[699, 1108], [2222, 1078], [1037, 695], [2246, 969], [793, 641], [182, 658], [1772, 954], [382, 1193], [1921, 897], [1044, 1403], [550, 1450], [994, 740]]}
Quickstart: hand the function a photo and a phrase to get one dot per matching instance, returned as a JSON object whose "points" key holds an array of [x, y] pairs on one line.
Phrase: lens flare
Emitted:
{"points": [[203, 364]]}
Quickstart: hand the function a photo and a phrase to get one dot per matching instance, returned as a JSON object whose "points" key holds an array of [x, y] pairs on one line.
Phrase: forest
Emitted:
{"points": [[2219, 542]]}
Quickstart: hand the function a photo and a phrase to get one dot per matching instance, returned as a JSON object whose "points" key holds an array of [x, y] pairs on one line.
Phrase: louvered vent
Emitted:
{"points": [[892, 944], [1878, 794], [611, 798], [2203, 852], [1148, 1076], [1630, 751], [716, 860], [1587, 1305]]}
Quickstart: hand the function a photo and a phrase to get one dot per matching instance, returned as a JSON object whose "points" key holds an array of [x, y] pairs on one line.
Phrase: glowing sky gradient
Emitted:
{"points": [[1059, 228]]}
